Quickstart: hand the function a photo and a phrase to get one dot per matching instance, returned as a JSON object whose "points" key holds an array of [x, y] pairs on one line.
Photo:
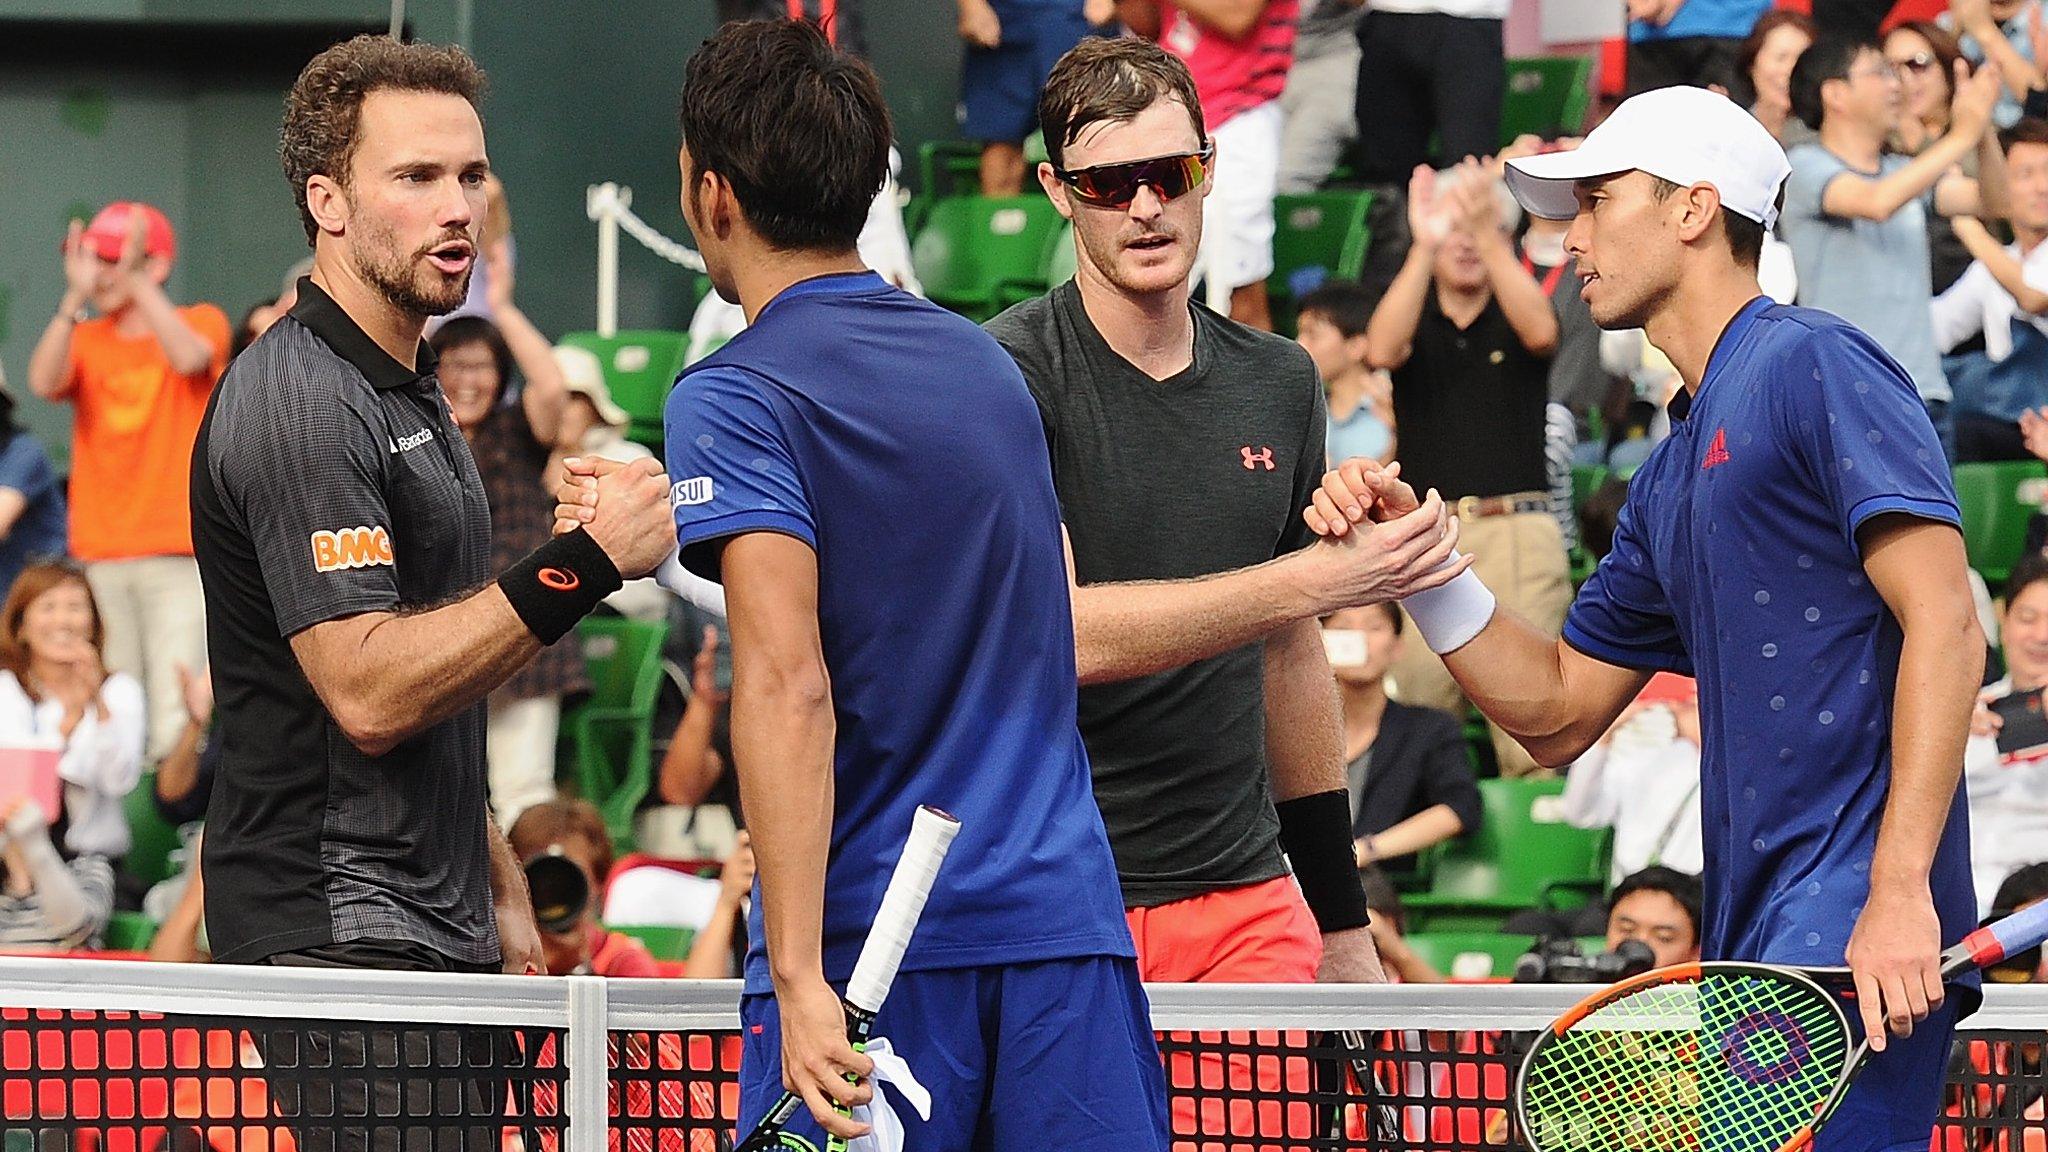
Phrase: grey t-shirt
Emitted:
{"points": [[1204, 472], [1873, 273]]}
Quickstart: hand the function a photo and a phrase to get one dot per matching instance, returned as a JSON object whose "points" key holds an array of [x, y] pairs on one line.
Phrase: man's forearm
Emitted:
{"points": [[388, 676], [789, 811], [189, 355], [685, 778], [1304, 717], [508, 878], [49, 366], [1939, 670], [1521, 299], [1432, 825], [1124, 631], [545, 393], [1552, 700], [1390, 334]]}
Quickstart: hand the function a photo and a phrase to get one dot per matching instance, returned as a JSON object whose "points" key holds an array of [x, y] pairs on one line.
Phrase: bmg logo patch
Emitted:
{"points": [[359, 547]]}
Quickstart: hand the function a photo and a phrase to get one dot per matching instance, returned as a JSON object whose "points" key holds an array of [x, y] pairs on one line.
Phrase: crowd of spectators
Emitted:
{"points": [[1917, 207]]}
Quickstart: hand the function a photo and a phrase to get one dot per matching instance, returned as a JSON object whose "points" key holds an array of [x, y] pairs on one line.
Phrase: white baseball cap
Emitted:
{"points": [[1684, 135]]}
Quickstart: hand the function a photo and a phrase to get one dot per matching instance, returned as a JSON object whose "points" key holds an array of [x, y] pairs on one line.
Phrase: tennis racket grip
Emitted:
{"points": [[1996, 941], [931, 834]]}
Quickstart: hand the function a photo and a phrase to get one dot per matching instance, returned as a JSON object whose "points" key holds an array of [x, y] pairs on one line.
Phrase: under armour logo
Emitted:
{"points": [[1252, 459], [1717, 452]]}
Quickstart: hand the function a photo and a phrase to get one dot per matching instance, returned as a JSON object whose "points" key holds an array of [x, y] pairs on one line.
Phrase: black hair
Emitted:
{"points": [[1829, 57], [1381, 899], [2024, 886], [462, 331], [797, 128], [1345, 304], [2030, 570], [1683, 887]]}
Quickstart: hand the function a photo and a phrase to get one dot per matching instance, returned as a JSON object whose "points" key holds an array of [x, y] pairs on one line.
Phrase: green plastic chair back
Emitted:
{"points": [[970, 247], [1546, 95], [129, 932], [1317, 236], [947, 168], [1058, 269], [609, 735], [1470, 955], [1586, 480], [639, 368], [1522, 855], [152, 839], [666, 941], [1995, 513]]}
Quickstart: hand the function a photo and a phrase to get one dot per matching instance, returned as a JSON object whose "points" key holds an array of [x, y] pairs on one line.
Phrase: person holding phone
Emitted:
{"points": [[2005, 763], [55, 692]]}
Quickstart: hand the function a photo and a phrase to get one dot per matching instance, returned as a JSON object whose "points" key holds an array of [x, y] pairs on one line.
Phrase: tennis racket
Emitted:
{"points": [[1383, 1119], [1718, 1057], [931, 833]]}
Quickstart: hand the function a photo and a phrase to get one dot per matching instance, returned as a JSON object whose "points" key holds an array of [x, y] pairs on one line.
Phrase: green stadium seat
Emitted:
{"points": [[1522, 855], [609, 736], [971, 246], [1317, 236], [639, 368], [1470, 955], [947, 168], [666, 941], [1058, 268], [1995, 513], [1586, 480], [151, 838], [1546, 96], [129, 932]]}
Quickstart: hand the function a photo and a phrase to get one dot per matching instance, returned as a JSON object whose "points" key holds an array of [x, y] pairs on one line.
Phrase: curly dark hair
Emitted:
{"points": [[324, 108]]}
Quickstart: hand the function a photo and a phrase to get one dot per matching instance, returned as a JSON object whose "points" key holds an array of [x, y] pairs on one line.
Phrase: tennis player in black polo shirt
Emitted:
{"points": [[343, 537]]}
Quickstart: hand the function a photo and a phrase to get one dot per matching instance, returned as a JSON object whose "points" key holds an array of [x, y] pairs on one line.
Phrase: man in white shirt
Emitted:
{"points": [[2002, 296]]}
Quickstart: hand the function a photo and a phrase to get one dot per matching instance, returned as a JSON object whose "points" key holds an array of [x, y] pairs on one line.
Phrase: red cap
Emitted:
{"points": [[108, 231]]}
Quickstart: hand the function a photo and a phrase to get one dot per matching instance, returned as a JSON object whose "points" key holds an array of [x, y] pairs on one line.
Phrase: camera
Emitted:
{"points": [[559, 889], [1558, 960]]}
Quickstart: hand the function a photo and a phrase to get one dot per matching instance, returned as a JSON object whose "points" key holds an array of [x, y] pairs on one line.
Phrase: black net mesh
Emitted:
{"points": [[131, 1082]]}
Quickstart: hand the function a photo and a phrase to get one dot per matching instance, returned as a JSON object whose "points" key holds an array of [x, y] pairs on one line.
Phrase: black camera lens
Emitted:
{"points": [[560, 891]]}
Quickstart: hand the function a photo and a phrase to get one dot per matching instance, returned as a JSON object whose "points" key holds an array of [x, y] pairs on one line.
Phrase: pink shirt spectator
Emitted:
{"points": [[1233, 76]]}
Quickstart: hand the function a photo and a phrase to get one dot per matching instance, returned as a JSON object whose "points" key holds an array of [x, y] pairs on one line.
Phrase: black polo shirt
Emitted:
{"points": [[330, 480], [1469, 404]]}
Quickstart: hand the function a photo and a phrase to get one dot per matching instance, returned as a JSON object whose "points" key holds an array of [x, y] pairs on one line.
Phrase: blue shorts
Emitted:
{"points": [[999, 87], [1053, 1054], [1893, 1105]]}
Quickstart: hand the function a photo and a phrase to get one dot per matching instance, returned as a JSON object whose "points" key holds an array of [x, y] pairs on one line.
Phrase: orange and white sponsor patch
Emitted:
{"points": [[359, 547]]}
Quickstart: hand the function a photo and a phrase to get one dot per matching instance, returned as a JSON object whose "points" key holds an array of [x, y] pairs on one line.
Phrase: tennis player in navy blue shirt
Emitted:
{"points": [[867, 474], [1794, 544]]}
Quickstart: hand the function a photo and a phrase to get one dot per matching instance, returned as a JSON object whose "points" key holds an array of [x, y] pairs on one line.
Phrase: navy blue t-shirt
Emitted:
{"points": [[40, 532], [898, 441], [1736, 561]]}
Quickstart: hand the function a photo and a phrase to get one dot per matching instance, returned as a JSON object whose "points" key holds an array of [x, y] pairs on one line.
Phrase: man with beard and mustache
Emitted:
{"points": [[1793, 545], [343, 536]]}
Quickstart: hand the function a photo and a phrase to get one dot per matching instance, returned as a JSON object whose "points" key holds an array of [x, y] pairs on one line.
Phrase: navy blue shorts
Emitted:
{"points": [[999, 87], [1893, 1105], [1055, 1054]]}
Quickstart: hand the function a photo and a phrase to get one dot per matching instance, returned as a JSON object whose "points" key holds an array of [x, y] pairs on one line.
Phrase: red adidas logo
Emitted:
{"points": [[1717, 452]]}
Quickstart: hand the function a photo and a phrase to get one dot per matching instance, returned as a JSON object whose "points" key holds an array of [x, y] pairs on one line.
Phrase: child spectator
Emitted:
{"points": [[1331, 325]]}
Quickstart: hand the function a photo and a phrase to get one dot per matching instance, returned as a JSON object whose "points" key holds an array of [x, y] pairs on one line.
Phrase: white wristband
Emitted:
{"points": [[1450, 616]]}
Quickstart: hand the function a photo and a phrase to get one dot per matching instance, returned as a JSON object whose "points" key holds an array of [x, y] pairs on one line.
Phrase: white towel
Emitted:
{"points": [[885, 1128]]}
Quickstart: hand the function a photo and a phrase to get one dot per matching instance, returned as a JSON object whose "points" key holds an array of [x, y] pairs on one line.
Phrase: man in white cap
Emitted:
{"points": [[1794, 545]]}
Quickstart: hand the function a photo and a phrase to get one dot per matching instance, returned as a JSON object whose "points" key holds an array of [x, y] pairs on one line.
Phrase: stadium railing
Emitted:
{"points": [[131, 1057]]}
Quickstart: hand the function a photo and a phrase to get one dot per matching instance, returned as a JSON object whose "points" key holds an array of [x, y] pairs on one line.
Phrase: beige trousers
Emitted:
{"points": [[1521, 557], [155, 619]]}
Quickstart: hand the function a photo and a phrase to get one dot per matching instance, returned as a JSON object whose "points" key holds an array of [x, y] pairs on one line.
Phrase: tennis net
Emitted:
{"points": [[107, 1056]]}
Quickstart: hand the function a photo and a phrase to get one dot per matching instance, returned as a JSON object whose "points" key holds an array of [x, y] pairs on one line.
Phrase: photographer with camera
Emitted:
{"points": [[1653, 921], [567, 854]]}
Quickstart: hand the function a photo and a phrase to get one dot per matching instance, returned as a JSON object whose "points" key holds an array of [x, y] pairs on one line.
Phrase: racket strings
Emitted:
{"points": [[1732, 1062]]}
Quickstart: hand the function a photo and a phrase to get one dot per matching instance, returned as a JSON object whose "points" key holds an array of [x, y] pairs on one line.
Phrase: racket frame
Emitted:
{"points": [[1693, 973]]}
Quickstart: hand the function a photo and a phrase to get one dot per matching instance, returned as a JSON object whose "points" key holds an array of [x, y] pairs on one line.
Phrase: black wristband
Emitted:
{"points": [[558, 584], [1315, 832]]}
